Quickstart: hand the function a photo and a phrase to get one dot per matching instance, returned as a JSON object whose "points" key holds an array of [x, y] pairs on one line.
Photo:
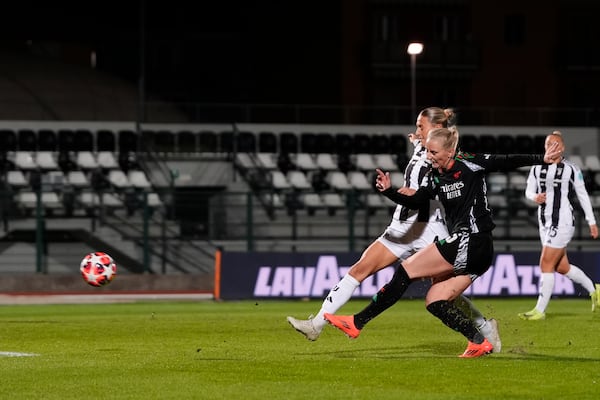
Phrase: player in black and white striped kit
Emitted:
{"points": [[551, 187], [408, 232]]}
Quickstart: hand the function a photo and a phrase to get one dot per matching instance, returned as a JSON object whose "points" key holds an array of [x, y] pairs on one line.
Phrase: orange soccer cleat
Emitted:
{"points": [[345, 323], [477, 350]]}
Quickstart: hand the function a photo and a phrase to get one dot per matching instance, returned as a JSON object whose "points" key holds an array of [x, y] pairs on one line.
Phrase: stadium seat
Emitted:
{"points": [[385, 162], [105, 140], [305, 162], [266, 161], [246, 142], [83, 140], [16, 179], [364, 162], [312, 202], [245, 162], [308, 143], [298, 180], [343, 143], [359, 181], [279, 181], [118, 179], [66, 140], [333, 202], [86, 160], [128, 141], [47, 140], [106, 160], [398, 144], [325, 143], [25, 160], [288, 143], [376, 201], [337, 180], [154, 200], [138, 179], [48, 200], [381, 144], [77, 179], [27, 140], [361, 143], [396, 177], [26, 199], [45, 160], [267, 142], [8, 140], [92, 200], [326, 161]]}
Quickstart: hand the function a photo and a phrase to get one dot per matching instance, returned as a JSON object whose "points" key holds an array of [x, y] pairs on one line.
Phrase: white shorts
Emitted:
{"points": [[557, 237], [412, 237]]}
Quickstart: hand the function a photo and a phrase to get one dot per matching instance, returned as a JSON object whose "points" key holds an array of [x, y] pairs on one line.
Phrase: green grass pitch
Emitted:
{"points": [[246, 350]]}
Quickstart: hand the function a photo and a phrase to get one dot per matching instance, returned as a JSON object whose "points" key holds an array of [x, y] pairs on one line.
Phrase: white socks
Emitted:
{"points": [[546, 289], [469, 309], [578, 276], [547, 285], [337, 297]]}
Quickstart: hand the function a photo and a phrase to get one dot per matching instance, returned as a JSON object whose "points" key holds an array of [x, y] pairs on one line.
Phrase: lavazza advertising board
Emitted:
{"points": [[243, 275]]}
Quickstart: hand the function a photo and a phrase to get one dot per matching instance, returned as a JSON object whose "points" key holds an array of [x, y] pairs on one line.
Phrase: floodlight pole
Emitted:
{"points": [[413, 50]]}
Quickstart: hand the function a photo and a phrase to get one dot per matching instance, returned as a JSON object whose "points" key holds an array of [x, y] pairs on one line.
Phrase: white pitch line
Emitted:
{"points": [[16, 354]]}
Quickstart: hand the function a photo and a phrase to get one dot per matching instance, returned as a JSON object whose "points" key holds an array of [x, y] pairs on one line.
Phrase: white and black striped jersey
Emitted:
{"points": [[415, 175], [560, 182], [462, 189]]}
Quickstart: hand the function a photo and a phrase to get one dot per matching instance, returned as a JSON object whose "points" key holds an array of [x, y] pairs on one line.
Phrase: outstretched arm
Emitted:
{"points": [[510, 162]]}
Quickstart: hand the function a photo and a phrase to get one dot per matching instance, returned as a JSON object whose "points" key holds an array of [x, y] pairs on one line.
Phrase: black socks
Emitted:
{"points": [[454, 318], [385, 298]]}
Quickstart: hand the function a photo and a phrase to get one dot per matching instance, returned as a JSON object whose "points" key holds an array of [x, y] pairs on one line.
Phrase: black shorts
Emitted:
{"points": [[470, 253]]}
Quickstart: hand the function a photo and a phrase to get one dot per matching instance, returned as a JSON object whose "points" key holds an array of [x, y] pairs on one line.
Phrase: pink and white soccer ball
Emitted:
{"points": [[98, 269]]}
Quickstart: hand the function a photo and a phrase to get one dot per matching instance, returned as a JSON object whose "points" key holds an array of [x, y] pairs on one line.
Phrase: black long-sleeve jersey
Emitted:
{"points": [[462, 189]]}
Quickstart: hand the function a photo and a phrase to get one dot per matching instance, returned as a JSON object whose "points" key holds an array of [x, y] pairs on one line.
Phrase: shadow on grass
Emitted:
{"points": [[443, 350]]}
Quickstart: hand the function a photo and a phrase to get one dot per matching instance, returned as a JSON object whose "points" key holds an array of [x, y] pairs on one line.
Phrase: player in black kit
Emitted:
{"points": [[454, 262]]}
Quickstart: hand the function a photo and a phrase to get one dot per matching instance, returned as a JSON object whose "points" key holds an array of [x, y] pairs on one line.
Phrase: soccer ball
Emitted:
{"points": [[98, 269]]}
